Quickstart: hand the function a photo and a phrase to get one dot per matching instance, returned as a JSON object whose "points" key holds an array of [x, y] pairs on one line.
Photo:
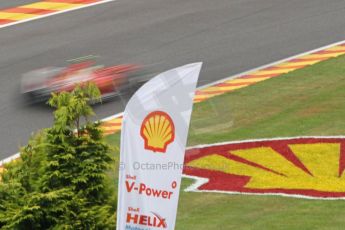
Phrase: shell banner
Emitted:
{"points": [[153, 139]]}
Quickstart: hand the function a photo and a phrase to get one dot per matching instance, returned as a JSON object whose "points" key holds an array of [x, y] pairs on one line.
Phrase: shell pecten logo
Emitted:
{"points": [[304, 167], [158, 131]]}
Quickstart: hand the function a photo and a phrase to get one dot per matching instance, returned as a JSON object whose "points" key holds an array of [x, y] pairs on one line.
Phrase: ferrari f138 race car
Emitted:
{"points": [[112, 81]]}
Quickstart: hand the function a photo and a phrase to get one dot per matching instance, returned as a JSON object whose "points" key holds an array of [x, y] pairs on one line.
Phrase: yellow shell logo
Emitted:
{"points": [[158, 131]]}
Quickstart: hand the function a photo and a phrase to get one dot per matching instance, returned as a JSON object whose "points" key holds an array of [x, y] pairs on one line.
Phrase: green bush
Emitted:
{"points": [[60, 180]]}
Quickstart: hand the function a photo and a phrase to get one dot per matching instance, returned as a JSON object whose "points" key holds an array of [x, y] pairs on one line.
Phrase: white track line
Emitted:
{"points": [[224, 79], [55, 13], [8, 159], [201, 180], [265, 139]]}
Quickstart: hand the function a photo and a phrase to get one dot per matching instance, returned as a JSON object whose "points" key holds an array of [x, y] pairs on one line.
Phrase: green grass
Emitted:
{"points": [[310, 101], [206, 211]]}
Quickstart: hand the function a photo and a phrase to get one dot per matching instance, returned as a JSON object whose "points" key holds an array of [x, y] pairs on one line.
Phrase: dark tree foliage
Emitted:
{"points": [[60, 180]]}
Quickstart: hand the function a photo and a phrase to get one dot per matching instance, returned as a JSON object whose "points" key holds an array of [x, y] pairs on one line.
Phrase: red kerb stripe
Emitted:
{"points": [[24, 10], [5, 21]]}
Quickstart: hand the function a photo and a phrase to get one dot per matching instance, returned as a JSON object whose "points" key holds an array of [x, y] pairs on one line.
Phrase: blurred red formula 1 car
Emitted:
{"points": [[112, 81]]}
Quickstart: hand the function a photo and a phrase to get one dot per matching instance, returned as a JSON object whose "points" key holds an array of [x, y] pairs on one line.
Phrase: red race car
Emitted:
{"points": [[112, 81]]}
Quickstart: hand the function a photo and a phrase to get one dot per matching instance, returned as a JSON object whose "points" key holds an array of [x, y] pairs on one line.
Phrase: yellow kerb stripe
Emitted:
{"points": [[110, 128], [222, 88], [52, 5], [336, 48], [294, 64], [321, 55], [276, 71], [243, 80], [200, 97], [16, 16], [114, 120]]}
